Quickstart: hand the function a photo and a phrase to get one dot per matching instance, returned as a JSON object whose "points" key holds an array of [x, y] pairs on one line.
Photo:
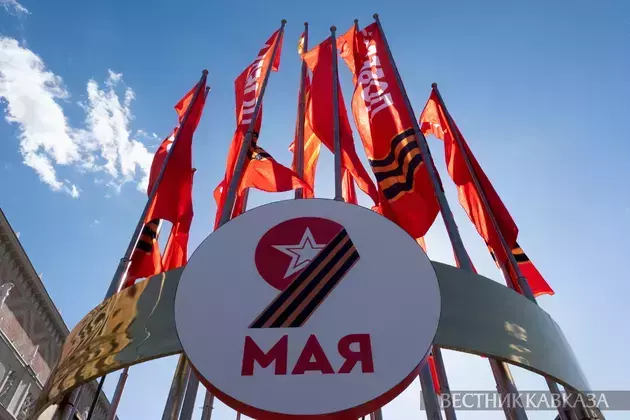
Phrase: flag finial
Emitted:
{"points": [[434, 85], [205, 72], [333, 28], [283, 21], [356, 21], [306, 24], [375, 16]]}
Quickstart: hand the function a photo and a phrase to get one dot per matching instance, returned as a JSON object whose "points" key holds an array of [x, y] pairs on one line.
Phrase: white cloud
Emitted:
{"points": [[108, 123], [33, 94], [30, 92], [15, 7], [74, 191]]}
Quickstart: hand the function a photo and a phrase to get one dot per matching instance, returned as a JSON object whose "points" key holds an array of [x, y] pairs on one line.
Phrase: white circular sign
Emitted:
{"points": [[307, 308]]}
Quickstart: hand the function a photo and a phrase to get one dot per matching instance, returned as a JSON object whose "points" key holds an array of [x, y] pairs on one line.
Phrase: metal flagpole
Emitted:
{"points": [[299, 144], [245, 199], [192, 384], [522, 281], [518, 413], [174, 399], [119, 386], [432, 406], [378, 413], [247, 141], [335, 89], [119, 276], [238, 416], [117, 280], [71, 405], [122, 380], [189, 399], [226, 212], [208, 402]]}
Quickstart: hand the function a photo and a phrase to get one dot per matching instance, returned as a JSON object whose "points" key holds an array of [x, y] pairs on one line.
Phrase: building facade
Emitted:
{"points": [[32, 332]]}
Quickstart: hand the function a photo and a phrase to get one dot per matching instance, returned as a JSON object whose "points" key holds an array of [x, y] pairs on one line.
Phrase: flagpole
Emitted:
{"points": [[119, 276], [226, 212], [337, 139], [499, 368], [378, 413], [189, 398], [522, 281], [299, 145], [432, 406], [208, 402], [245, 199], [192, 384], [123, 265], [174, 399], [125, 261]]}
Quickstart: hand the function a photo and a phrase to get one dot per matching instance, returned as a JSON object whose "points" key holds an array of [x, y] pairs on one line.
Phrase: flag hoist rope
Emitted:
{"points": [[119, 276], [522, 281], [301, 120], [499, 369]]}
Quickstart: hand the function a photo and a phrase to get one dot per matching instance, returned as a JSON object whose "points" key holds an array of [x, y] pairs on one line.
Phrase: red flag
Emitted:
{"points": [[176, 250], [319, 109], [145, 260], [173, 199], [261, 171], [158, 160], [434, 121], [536, 281], [386, 129], [312, 146], [348, 191], [264, 173]]}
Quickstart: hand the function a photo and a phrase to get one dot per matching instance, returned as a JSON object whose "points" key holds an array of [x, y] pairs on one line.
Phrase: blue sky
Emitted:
{"points": [[538, 88]]}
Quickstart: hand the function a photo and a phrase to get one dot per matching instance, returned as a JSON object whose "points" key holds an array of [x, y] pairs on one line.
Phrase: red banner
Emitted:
{"points": [[320, 112], [385, 127], [434, 121], [173, 199]]}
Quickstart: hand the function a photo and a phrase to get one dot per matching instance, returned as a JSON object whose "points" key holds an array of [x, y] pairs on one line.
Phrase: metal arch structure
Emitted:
{"points": [[137, 325]]}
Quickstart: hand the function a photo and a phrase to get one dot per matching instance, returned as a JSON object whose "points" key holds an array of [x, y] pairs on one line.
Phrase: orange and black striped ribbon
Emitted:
{"points": [[148, 236], [517, 251], [395, 172], [256, 152], [294, 306], [519, 255]]}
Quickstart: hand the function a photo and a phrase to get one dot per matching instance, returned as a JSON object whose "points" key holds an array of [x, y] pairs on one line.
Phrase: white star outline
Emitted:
{"points": [[302, 253]]}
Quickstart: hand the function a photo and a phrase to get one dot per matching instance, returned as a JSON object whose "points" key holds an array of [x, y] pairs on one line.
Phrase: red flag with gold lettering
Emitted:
{"points": [[386, 129], [261, 171]]}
